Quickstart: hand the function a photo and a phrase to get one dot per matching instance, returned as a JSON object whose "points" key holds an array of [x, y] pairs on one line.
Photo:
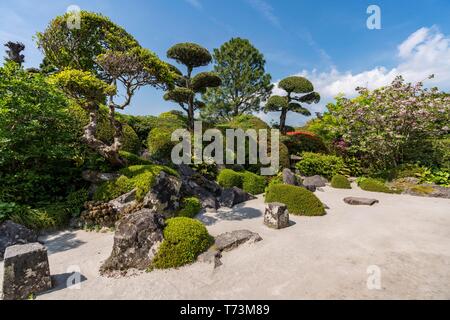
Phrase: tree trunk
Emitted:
{"points": [[283, 121], [110, 153]]}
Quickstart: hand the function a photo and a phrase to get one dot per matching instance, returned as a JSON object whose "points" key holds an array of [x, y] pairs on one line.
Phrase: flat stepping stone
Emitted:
{"points": [[231, 240], [355, 201]]}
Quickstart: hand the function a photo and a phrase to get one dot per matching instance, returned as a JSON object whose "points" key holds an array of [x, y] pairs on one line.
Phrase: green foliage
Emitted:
{"points": [[340, 182], [208, 169], [320, 164], [190, 54], [228, 179], [140, 177], [184, 240], [159, 140], [253, 183], [75, 202], [285, 156], [296, 84], [276, 180], [133, 159], [245, 83], [245, 122], [38, 142], [299, 143], [440, 177], [190, 207], [78, 48], [142, 125], [374, 185], [298, 200]]}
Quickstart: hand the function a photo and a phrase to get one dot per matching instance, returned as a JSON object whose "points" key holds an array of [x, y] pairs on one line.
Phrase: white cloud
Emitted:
{"points": [[266, 10], [425, 52]]}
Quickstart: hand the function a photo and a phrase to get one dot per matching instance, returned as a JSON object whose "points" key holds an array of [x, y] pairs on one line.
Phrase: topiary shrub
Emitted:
{"points": [[184, 240], [253, 183], [320, 164], [228, 178], [304, 141], [299, 201], [340, 182], [190, 207], [374, 185], [140, 177]]}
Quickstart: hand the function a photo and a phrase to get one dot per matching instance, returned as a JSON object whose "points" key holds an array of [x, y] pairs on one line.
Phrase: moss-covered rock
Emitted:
{"points": [[340, 182], [374, 185], [190, 207], [298, 200], [139, 177], [184, 240]]}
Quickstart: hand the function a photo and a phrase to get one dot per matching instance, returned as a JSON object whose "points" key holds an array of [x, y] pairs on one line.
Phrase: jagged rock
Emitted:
{"points": [[355, 201], [99, 214], [26, 271], [124, 202], [315, 181], [289, 177], [234, 196], [136, 242], [12, 233], [276, 216], [165, 194], [231, 240], [98, 177]]}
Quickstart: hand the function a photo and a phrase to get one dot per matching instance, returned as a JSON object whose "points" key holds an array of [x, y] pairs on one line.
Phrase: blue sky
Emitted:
{"points": [[327, 41]]}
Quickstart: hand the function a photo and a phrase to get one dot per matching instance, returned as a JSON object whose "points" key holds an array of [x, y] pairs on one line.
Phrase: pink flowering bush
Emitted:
{"points": [[381, 126]]}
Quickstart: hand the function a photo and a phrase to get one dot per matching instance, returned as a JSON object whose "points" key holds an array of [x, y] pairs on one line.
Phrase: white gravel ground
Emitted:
{"points": [[407, 238]]}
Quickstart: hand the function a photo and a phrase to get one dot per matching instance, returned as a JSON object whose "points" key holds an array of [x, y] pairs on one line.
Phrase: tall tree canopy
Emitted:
{"points": [[97, 61], [299, 90], [192, 56], [245, 83]]}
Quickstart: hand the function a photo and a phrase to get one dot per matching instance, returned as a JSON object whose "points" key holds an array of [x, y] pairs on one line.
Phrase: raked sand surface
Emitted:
{"points": [[406, 237]]}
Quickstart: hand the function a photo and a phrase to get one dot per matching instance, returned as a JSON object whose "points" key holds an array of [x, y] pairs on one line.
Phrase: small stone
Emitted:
{"points": [[360, 201], [276, 216], [231, 240], [316, 181], [26, 271]]}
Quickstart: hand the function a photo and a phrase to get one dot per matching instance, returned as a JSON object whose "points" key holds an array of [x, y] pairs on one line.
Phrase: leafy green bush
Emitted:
{"points": [[320, 164], [439, 177], [38, 139], [340, 182], [374, 185], [298, 200], [140, 177], [75, 202], [190, 207], [304, 142], [274, 181], [184, 240], [253, 183], [228, 179]]}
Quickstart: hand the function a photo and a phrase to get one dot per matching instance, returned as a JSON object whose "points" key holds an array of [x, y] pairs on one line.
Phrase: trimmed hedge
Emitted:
{"points": [[140, 177], [253, 184], [373, 185], [228, 178], [340, 182], [184, 240], [299, 201], [320, 164], [190, 207], [247, 181]]}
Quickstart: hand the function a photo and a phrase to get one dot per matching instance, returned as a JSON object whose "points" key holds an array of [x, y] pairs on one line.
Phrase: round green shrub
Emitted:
{"points": [[320, 164], [374, 185], [184, 240], [340, 182], [190, 207], [253, 183], [228, 179], [299, 201]]}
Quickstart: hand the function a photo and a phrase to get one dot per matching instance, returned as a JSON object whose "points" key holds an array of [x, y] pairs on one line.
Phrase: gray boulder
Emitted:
{"points": [[125, 201], [231, 240], [136, 242], [233, 196], [276, 216], [12, 233], [165, 194], [315, 181], [289, 177], [26, 271], [355, 201]]}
